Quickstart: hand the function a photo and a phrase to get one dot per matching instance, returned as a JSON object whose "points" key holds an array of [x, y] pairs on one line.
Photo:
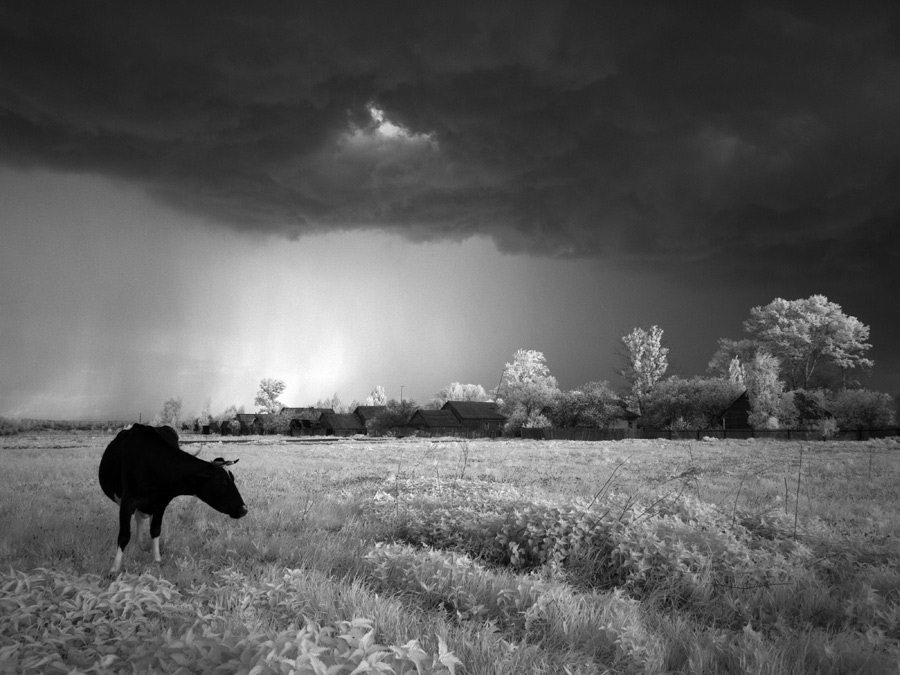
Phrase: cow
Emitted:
{"points": [[143, 469]]}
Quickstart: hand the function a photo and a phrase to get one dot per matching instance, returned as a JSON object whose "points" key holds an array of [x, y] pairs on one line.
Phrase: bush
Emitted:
{"points": [[395, 414], [854, 408]]}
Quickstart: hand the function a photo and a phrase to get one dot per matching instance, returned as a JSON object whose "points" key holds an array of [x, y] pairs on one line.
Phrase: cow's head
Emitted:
{"points": [[216, 487]]}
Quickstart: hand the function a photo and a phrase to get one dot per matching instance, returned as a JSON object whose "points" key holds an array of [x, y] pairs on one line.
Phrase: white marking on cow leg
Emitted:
{"points": [[118, 562], [156, 555]]}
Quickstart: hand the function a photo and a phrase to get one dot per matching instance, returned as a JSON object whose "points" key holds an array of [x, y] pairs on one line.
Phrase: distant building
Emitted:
{"points": [[341, 424], [625, 419], [812, 415], [366, 413], [305, 421], [249, 424], [434, 422], [483, 418], [737, 415]]}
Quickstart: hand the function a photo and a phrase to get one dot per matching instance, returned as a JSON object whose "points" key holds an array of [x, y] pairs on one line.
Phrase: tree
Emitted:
{"points": [[229, 413], [276, 423], [170, 413], [697, 403], [727, 351], [646, 361], [377, 397], [736, 371], [334, 402], [459, 392], [764, 390], [854, 408], [267, 397], [395, 414], [525, 389], [801, 409], [807, 335], [206, 413], [594, 404]]}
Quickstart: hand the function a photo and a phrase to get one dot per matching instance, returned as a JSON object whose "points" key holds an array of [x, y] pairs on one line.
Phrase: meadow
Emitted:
{"points": [[442, 556]]}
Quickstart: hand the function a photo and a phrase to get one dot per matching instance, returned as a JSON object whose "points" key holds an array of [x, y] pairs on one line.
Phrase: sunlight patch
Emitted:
{"points": [[381, 132]]}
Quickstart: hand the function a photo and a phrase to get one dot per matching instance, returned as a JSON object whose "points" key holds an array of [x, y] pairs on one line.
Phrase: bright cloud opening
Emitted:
{"points": [[382, 129]]}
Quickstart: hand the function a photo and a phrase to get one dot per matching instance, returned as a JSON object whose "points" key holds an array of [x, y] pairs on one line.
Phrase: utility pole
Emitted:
{"points": [[401, 393]]}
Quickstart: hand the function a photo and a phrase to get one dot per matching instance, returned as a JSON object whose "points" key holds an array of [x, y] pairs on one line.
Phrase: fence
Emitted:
{"points": [[578, 434], [455, 432], [591, 434]]}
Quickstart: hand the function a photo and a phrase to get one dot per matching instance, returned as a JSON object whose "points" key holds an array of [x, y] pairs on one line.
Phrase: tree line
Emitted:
{"points": [[797, 357]]}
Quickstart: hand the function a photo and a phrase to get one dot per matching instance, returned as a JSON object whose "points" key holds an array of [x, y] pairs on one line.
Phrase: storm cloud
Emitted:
{"points": [[567, 129], [642, 162]]}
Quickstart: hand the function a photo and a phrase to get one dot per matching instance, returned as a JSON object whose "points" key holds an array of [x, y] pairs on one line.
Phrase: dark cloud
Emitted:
{"points": [[661, 135]]}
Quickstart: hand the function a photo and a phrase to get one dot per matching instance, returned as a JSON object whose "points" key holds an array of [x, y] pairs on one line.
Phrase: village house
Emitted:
{"points": [[341, 424], [305, 421], [434, 422], [483, 418], [366, 413]]}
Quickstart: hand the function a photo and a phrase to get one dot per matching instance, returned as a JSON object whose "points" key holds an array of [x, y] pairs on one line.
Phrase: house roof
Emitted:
{"points": [[433, 418], [246, 417], [309, 413], [813, 402], [743, 394], [367, 412], [475, 411], [342, 421], [626, 414]]}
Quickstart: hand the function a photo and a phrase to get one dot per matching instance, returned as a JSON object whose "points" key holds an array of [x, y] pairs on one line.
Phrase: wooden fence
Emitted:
{"points": [[591, 434]]}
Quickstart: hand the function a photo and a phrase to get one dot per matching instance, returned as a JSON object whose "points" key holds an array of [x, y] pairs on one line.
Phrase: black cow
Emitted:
{"points": [[143, 469]]}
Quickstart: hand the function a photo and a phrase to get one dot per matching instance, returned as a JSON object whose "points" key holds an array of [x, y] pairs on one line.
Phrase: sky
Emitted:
{"points": [[197, 196]]}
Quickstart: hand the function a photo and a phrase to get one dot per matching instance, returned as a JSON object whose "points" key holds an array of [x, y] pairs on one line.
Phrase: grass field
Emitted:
{"points": [[465, 557]]}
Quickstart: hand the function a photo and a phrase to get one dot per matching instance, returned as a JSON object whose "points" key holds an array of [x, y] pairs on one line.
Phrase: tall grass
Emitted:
{"points": [[693, 566]]}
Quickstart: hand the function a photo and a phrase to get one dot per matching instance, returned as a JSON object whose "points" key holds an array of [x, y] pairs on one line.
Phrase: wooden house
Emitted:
{"points": [[341, 424], [481, 417], [366, 413], [305, 421], [625, 419], [250, 423], [737, 415], [434, 422]]}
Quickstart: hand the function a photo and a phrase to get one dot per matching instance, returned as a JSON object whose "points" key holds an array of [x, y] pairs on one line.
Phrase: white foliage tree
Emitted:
{"points": [[526, 388], [646, 361], [809, 334], [170, 413], [267, 396], [764, 390], [377, 397], [459, 392], [736, 371]]}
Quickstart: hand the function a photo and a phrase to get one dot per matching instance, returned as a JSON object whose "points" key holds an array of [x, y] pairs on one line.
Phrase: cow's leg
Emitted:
{"points": [[125, 512], [155, 529], [140, 521]]}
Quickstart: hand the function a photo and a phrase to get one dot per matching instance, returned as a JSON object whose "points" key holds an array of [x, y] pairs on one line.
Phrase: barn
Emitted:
{"points": [[737, 415], [367, 413], [305, 421], [250, 423], [341, 424], [625, 419], [483, 418], [434, 422]]}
